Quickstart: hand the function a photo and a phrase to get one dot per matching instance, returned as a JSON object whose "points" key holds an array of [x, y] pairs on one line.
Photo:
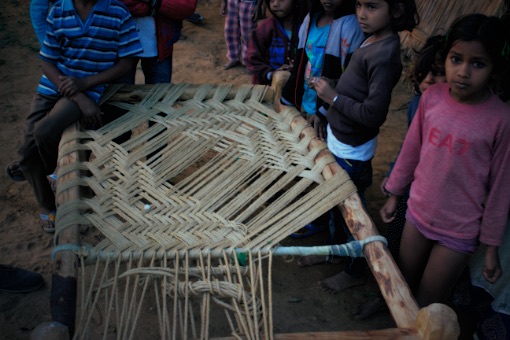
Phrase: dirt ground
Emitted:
{"points": [[300, 305]]}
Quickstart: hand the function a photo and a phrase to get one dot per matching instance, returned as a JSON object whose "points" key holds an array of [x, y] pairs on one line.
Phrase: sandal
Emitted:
{"points": [[53, 181], [13, 170], [308, 230], [48, 222]]}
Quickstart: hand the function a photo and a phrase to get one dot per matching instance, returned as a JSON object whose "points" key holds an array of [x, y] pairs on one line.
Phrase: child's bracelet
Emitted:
{"points": [[386, 192]]}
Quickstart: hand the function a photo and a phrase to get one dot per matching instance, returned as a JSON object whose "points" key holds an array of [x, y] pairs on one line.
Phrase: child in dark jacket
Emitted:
{"points": [[273, 44], [359, 103]]}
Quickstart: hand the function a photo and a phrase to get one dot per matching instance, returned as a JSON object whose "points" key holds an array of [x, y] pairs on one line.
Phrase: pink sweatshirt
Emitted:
{"points": [[457, 159]]}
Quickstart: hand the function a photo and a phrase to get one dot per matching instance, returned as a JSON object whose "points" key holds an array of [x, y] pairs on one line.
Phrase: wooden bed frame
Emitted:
{"points": [[436, 321]]}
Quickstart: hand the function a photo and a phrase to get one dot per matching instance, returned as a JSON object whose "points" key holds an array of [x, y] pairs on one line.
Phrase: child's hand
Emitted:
{"points": [[91, 114], [492, 269], [320, 129], [69, 86], [291, 63], [324, 90], [383, 183], [223, 7], [279, 106], [284, 67], [388, 211]]}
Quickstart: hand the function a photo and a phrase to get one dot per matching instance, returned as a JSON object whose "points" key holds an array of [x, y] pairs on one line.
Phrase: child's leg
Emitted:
{"points": [[40, 149], [414, 254], [353, 274], [394, 228], [231, 31], [360, 173], [29, 162], [442, 271], [157, 72], [48, 130], [246, 12]]}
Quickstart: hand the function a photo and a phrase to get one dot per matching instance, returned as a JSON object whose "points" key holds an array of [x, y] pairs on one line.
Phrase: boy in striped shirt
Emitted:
{"points": [[88, 44]]}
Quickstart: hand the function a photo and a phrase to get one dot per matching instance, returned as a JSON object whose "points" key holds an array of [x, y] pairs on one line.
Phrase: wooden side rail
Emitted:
{"points": [[65, 265]]}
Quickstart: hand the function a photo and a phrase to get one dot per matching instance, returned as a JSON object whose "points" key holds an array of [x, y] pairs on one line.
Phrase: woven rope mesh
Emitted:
{"points": [[223, 173], [216, 171]]}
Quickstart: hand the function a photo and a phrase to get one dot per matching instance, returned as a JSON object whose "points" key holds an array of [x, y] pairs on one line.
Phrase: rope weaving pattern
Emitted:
{"points": [[217, 172]]}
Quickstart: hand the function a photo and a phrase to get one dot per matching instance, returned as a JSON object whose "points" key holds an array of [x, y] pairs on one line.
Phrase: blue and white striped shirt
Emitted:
{"points": [[81, 49]]}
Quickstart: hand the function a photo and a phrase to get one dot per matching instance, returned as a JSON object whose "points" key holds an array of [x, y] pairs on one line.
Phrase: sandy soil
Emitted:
{"points": [[299, 304]]}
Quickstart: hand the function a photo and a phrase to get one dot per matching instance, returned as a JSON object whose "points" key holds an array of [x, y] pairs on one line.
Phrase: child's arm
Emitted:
{"points": [[258, 46], [223, 7], [327, 93], [38, 12], [69, 86], [324, 90], [389, 209], [51, 71], [91, 114], [492, 269], [256, 11]]}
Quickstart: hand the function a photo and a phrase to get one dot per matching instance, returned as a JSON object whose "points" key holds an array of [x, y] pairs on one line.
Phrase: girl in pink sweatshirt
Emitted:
{"points": [[456, 160]]}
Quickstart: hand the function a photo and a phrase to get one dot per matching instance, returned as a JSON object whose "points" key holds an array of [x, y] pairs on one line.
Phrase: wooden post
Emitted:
{"points": [[396, 292], [278, 82], [65, 270], [437, 321]]}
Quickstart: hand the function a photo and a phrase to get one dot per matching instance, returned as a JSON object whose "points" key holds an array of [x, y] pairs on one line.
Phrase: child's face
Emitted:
{"points": [[468, 71], [281, 8], [330, 6], [373, 15], [435, 76]]}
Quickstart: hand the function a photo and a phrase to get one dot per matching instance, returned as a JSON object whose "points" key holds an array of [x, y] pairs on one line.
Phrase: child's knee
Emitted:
{"points": [[45, 130]]}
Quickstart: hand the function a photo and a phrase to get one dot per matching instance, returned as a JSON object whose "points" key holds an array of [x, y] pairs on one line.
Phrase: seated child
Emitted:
{"points": [[77, 63]]}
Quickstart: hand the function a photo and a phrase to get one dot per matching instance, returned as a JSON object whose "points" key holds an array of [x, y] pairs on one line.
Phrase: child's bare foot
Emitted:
{"points": [[365, 310], [340, 282], [312, 260], [230, 65]]}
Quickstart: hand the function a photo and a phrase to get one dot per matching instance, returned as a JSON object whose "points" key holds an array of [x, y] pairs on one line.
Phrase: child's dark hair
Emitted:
{"points": [[299, 11], [491, 32], [346, 7], [428, 59], [409, 18]]}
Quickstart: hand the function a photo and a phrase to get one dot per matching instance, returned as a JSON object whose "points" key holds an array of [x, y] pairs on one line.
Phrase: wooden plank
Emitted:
{"points": [[382, 334]]}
